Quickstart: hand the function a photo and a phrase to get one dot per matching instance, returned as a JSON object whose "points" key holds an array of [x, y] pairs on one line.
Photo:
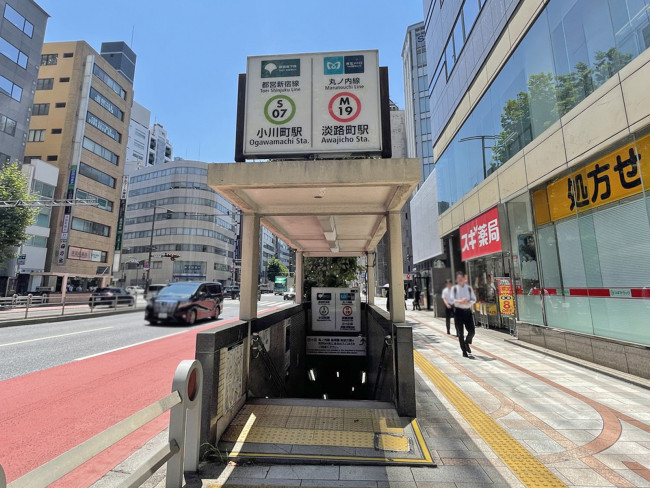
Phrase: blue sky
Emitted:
{"points": [[190, 52]]}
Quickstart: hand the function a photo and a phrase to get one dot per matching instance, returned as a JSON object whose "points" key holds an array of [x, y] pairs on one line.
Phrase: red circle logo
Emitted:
{"points": [[345, 107]]}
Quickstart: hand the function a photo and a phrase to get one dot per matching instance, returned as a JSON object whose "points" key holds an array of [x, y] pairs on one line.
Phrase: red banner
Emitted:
{"points": [[481, 235]]}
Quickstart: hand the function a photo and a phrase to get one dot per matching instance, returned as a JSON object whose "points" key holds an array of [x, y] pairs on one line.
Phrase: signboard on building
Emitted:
{"points": [[303, 104], [617, 175], [21, 259], [60, 257], [506, 293], [336, 346], [348, 311], [481, 236]]}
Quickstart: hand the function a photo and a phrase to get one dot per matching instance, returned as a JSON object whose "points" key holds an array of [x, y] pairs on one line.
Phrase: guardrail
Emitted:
{"points": [[20, 307], [181, 452]]}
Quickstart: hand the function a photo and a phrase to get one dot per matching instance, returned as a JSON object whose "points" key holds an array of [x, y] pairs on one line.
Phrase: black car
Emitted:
{"points": [[185, 302], [111, 296]]}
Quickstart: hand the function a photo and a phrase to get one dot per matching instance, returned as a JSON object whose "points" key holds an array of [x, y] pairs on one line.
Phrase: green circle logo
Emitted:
{"points": [[279, 109]]}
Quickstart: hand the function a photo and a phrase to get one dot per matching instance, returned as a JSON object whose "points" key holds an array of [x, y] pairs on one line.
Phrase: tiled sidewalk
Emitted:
{"points": [[588, 429]]}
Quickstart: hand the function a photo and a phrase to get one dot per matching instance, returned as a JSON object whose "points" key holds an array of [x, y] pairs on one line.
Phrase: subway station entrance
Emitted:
{"points": [[268, 393]]}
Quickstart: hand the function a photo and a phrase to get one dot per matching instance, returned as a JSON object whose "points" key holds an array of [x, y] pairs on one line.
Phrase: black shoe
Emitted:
{"points": [[465, 355], [469, 349]]}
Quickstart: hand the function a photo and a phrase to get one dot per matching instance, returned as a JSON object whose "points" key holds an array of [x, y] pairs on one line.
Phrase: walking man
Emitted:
{"points": [[448, 300], [464, 299], [416, 298]]}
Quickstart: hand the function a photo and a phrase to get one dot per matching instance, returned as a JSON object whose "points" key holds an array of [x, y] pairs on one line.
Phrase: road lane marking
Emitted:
{"points": [[279, 305], [53, 337]]}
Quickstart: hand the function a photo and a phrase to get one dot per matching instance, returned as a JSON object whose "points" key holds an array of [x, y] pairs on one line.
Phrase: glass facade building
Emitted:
{"points": [[555, 134]]}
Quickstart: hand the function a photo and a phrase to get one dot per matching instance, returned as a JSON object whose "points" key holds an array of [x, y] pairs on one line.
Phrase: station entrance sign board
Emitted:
{"points": [[309, 104]]}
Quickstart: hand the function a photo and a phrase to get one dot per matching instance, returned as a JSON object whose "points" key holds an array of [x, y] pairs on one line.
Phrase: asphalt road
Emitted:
{"points": [[68, 381], [30, 348]]}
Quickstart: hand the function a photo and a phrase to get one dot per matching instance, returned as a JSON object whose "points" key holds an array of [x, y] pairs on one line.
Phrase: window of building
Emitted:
{"points": [[59, 105], [13, 53], [106, 103], [49, 59], [64, 80], [169, 172], [53, 157], [100, 150], [68, 55], [139, 145], [45, 84], [90, 227], [41, 189], [95, 174], [18, 20], [10, 89], [36, 135], [102, 202], [57, 131], [156, 265], [7, 125], [43, 217], [110, 82], [99, 124], [40, 109], [4, 158], [36, 241], [576, 45]]}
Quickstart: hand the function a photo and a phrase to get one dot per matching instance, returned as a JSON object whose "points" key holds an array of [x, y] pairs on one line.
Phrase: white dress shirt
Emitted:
{"points": [[448, 296], [460, 292]]}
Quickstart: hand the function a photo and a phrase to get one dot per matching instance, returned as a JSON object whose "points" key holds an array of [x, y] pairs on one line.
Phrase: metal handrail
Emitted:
{"points": [[181, 452], [388, 342], [258, 348]]}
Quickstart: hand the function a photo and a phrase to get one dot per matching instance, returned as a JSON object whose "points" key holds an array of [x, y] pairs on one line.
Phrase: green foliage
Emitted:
{"points": [[329, 272], [13, 220], [274, 268], [547, 98]]}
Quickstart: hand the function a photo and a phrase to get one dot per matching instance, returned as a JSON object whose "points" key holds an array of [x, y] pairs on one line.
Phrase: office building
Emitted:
{"points": [[160, 150], [137, 146], [172, 209], [80, 124], [22, 29], [121, 57], [24, 273], [416, 98], [540, 119]]}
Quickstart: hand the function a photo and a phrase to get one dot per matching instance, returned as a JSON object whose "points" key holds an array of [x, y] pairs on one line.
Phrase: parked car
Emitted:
{"points": [[185, 302], [290, 295], [135, 290], [111, 296], [153, 290]]}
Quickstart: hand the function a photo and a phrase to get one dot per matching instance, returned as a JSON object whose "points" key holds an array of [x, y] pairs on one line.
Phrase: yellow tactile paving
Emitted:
{"points": [[523, 464], [358, 425]]}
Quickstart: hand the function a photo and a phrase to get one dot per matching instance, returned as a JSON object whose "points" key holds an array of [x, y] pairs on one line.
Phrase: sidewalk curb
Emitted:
{"points": [[64, 318], [613, 373]]}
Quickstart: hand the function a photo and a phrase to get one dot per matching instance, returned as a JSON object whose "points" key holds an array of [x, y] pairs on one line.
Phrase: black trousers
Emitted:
{"points": [[464, 320], [449, 313]]}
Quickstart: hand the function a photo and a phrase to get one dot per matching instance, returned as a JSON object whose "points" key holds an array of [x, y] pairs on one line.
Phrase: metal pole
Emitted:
{"points": [[483, 151], [153, 224]]}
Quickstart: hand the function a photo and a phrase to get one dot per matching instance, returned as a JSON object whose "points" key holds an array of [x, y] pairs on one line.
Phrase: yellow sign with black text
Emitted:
{"points": [[619, 174]]}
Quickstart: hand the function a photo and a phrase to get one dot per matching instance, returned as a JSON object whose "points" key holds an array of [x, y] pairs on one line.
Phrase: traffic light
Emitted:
{"points": [[172, 257]]}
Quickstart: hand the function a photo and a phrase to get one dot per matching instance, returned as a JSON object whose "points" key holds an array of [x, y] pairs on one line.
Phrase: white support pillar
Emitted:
{"points": [[370, 292], [249, 266], [300, 277], [397, 310]]}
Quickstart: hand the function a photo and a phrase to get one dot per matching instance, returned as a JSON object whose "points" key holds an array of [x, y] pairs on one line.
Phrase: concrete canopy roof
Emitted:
{"points": [[325, 207]]}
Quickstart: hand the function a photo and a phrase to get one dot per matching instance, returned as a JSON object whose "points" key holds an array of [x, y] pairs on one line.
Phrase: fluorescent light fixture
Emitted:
{"points": [[338, 375], [363, 377], [312, 375]]}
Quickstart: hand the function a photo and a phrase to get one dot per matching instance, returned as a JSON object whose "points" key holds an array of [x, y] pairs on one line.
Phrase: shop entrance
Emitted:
{"points": [[483, 273]]}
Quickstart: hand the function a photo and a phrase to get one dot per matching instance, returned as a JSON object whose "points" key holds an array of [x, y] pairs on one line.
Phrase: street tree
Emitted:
{"points": [[14, 220], [274, 268], [329, 272]]}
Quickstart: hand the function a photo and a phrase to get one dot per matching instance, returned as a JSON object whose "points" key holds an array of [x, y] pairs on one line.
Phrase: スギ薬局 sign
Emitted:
{"points": [[312, 103], [481, 235]]}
